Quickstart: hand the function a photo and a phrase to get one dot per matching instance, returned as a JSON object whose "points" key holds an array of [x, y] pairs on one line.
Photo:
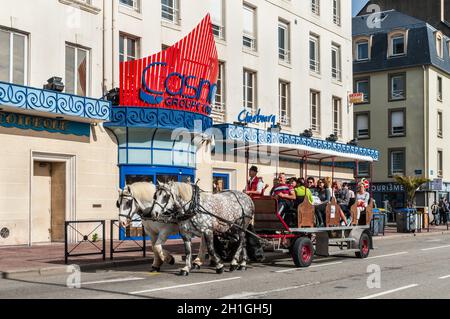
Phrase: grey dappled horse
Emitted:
{"points": [[192, 209]]}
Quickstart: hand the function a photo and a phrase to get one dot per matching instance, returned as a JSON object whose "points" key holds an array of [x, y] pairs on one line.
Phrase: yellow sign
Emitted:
{"points": [[356, 98]]}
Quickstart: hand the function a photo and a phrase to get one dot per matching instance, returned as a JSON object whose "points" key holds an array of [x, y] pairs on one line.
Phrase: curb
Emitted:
{"points": [[401, 236]]}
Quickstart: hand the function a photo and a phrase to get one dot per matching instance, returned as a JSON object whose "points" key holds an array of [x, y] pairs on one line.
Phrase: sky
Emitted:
{"points": [[357, 5]]}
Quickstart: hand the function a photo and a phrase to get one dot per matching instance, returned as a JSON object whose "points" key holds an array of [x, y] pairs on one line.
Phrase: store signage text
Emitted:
{"points": [[388, 188], [181, 91], [246, 117], [27, 122]]}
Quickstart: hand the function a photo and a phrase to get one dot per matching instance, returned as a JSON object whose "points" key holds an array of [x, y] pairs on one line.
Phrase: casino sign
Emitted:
{"points": [[173, 88]]}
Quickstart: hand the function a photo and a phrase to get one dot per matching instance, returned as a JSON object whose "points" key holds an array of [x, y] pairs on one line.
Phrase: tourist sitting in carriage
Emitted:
{"points": [[285, 195], [343, 197], [302, 192], [362, 198]]}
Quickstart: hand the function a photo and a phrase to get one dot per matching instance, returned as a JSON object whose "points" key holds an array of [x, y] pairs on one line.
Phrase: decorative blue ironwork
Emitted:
{"points": [[157, 118], [258, 136], [27, 98]]}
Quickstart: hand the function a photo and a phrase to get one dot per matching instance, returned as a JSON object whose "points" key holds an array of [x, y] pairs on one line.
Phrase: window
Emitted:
{"points": [[337, 12], [13, 57], [217, 18], [249, 90], [315, 6], [249, 37], [362, 50], [396, 162], [128, 48], [336, 71], [314, 58], [363, 86], [77, 70], [439, 45], [440, 169], [337, 117], [220, 93], [363, 169], [170, 11], [397, 45], [397, 87], [134, 4], [283, 42], [315, 111], [362, 124], [397, 122], [284, 103], [439, 124], [439, 88]]}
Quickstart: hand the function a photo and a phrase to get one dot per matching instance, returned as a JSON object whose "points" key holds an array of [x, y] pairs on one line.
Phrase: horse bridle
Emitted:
{"points": [[187, 213], [120, 202]]}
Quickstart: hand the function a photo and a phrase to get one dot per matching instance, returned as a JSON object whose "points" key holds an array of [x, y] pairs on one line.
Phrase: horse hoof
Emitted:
{"points": [[233, 268], [155, 269], [219, 271], [172, 261], [184, 273], [196, 267]]}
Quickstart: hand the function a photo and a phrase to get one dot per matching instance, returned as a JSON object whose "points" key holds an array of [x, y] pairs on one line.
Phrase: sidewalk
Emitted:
{"points": [[50, 258]]}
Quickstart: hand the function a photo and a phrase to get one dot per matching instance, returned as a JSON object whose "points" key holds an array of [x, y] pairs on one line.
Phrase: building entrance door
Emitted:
{"points": [[41, 202]]}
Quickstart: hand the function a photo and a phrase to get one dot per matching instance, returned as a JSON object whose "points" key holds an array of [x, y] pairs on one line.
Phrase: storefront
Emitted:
{"points": [[57, 164]]}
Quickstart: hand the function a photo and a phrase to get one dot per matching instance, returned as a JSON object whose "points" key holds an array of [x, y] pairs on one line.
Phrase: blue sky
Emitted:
{"points": [[357, 5]]}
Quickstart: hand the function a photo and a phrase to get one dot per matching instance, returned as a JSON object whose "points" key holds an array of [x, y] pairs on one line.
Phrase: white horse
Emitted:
{"points": [[133, 202]]}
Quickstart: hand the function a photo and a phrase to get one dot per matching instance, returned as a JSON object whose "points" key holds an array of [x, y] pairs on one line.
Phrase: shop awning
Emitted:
{"points": [[304, 152]]}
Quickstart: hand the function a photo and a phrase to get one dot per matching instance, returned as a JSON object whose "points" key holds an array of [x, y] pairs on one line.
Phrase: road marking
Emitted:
{"points": [[389, 292], [445, 277], [182, 286], [250, 295], [389, 255], [433, 248], [112, 281], [314, 266]]}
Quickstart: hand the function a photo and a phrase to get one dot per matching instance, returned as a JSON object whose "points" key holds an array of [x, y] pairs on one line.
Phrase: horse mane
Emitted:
{"points": [[143, 191], [184, 191]]}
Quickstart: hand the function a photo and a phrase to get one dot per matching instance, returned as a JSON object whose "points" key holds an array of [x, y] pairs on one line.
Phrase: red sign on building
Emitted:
{"points": [[183, 77]]}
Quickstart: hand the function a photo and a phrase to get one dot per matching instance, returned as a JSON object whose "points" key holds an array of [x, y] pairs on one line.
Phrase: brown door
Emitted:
{"points": [[58, 201]]}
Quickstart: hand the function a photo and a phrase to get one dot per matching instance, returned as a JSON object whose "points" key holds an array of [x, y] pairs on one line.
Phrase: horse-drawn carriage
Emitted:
{"points": [[300, 241]]}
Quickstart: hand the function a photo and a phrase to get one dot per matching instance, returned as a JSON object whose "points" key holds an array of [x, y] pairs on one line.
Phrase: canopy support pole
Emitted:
{"points": [[320, 169], [332, 169]]}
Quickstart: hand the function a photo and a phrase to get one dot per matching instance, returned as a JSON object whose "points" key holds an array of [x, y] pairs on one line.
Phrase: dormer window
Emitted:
{"points": [[398, 43], [362, 50], [439, 45]]}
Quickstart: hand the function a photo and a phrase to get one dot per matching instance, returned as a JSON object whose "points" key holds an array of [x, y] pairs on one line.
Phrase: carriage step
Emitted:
{"points": [[282, 251], [342, 240]]}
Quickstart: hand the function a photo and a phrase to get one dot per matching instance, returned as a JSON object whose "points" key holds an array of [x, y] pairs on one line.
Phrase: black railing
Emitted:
{"points": [[114, 248], [85, 239]]}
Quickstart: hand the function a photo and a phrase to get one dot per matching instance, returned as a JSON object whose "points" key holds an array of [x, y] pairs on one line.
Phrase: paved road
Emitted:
{"points": [[415, 267]]}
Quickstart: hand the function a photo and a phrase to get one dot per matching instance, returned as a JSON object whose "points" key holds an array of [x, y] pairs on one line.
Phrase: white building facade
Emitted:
{"points": [[291, 59]]}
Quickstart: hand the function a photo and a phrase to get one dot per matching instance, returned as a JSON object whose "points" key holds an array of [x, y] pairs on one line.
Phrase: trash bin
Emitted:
{"points": [[407, 221], [378, 223]]}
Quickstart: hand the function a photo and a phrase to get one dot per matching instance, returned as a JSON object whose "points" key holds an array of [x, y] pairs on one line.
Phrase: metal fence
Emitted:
{"points": [[85, 239]]}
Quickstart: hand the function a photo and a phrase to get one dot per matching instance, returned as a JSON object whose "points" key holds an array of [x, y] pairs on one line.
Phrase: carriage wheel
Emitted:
{"points": [[364, 246], [303, 252]]}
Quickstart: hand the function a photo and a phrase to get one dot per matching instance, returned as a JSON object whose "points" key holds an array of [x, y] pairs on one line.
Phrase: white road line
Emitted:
{"points": [[444, 277], [433, 248], [249, 295], [182, 286], [389, 292], [314, 266], [111, 281], [389, 255]]}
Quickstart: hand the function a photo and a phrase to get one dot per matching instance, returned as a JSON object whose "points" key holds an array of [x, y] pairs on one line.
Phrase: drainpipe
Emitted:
{"points": [[113, 36], [104, 50], [425, 120]]}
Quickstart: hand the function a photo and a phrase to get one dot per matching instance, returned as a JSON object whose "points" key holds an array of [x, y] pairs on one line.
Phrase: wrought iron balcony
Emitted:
{"points": [[39, 101]]}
